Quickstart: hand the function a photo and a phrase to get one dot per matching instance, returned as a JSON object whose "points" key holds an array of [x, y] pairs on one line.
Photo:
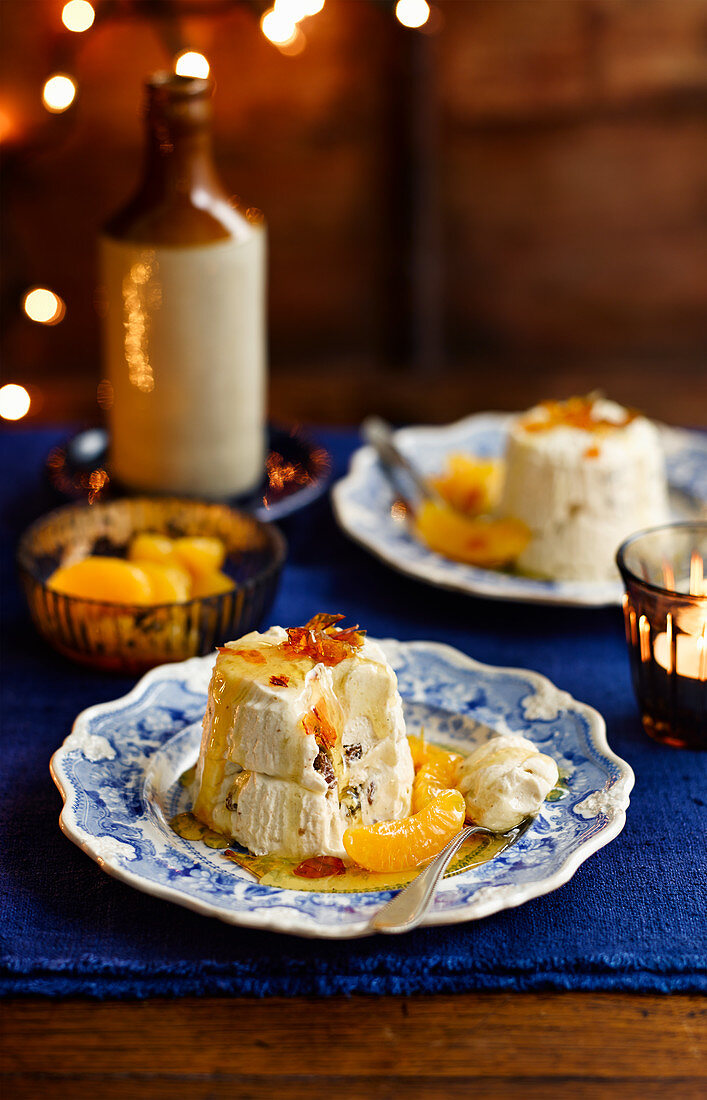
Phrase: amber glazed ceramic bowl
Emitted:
{"points": [[131, 638]]}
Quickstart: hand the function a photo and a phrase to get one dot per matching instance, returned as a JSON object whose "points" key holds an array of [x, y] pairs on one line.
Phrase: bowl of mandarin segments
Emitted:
{"points": [[138, 582]]}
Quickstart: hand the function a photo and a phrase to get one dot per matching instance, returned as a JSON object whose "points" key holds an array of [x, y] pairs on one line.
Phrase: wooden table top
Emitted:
{"points": [[534, 1045]]}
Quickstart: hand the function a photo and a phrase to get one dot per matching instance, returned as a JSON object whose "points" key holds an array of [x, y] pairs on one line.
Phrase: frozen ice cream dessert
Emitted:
{"points": [[582, 474], [504, 781], [303, 736]]}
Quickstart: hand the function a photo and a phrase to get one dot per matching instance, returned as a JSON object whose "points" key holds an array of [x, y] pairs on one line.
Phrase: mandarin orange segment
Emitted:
{"points": [[438, 774], [471, 484], [423, 751], [404, 845], [110, 580], [478, 541], [201, 554], [170, 583], [211, 584], [418, 749], [149, 546]]}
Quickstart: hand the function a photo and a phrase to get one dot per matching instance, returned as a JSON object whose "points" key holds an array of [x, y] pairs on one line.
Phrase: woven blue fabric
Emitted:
{"points": [[632, 917]]}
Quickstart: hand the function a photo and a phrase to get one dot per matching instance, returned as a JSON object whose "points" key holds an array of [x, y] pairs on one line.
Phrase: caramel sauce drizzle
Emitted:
{"points": [[253, 656]]}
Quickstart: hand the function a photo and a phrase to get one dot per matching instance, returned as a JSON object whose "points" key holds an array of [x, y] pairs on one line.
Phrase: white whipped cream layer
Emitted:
{"points": [[504, 781], [262, 779], [582, 492]]}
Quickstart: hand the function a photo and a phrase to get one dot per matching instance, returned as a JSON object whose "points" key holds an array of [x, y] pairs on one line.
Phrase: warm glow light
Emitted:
{"points": [[6, 125], [191, 63], [58, 93], [412, 13], [78, 15], [294, 11], [14, 402], [279, 27], [43, 306]]}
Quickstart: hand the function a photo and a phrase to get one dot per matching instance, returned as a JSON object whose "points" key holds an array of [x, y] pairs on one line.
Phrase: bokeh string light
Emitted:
{"points": [[43, 306], [14, 401], [412, 13], [280, 24], [78, 16], [58, 93], [191, 63]]}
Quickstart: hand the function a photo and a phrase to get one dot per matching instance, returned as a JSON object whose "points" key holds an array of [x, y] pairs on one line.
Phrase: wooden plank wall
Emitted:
{"points": [[518, 195]]}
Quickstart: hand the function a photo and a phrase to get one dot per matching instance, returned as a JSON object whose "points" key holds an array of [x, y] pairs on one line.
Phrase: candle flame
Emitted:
{"points": [[697, 575]]}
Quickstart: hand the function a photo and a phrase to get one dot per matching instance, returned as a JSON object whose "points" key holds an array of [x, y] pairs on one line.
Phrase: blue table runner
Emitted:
{"points": [[632, 917]]}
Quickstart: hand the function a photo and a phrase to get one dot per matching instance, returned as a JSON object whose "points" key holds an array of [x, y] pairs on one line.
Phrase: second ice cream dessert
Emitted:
{"points": [[582, 474], [303, 737]]}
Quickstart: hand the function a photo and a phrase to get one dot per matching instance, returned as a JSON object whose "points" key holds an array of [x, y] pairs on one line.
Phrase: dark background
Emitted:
{"points": [[510, 206]]}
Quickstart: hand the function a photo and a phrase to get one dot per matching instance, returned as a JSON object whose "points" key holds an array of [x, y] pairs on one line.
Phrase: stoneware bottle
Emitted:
{"points": [[184, 341]]}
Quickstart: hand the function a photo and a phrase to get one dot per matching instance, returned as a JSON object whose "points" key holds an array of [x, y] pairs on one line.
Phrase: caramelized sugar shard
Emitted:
{"points": [[320, 867], [322, 621], [577, 412], [322, 641], [316, 722]]}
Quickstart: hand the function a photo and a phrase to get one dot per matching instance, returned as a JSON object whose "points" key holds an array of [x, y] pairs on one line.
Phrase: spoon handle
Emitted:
{"points": [[406, 909], [379, 435]]}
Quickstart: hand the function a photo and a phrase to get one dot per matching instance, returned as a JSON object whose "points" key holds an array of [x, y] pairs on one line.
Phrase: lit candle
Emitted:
{"points": [[690, 655]]}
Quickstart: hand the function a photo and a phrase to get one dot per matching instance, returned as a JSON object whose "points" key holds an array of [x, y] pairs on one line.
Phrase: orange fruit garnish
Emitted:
{"points": [[170, 583], [404, 845], [423, 751], [149, 546], [470, 484], [477, 540], [110, 580], [211, 584], [437, 775], [201, 555]]}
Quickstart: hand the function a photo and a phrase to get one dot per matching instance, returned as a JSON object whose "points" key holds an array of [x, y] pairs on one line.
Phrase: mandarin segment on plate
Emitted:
{"points": [[478, 541], [425, 751], [404, 845], [106, 579], [436, 775], [470, 484]]}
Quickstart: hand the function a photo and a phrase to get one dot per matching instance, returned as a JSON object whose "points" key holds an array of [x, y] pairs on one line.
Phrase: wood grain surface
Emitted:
{"points": [[475, 1045]]}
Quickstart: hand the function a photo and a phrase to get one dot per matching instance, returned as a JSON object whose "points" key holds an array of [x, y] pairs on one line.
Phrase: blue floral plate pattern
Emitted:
{"points": [[362, 504], [118, 773]]}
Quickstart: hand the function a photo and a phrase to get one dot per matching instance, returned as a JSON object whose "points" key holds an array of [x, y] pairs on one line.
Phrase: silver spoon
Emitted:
{"points": [[379, 435], [406, 910]]}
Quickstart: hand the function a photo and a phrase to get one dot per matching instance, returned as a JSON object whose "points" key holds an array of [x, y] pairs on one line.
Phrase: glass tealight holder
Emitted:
{"points": [[665, 613]]}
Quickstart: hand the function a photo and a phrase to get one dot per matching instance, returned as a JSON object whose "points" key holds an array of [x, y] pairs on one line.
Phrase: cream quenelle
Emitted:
{"points": [[504, 781], [303, 736]]}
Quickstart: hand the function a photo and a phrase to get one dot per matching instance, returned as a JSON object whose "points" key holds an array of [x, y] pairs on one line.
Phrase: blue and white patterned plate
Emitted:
{"points": [[362, 505], [118, 773]]}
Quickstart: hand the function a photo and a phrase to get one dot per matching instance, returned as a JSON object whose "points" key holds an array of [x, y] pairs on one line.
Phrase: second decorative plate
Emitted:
{"points": [[363, 499]]}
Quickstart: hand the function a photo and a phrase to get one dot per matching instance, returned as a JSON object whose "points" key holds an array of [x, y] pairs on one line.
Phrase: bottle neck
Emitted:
{"points": [[179, 162], [180, 199]]}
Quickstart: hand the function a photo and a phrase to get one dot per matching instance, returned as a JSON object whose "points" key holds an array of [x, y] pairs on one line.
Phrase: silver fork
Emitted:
{"points": [[407, 909]]}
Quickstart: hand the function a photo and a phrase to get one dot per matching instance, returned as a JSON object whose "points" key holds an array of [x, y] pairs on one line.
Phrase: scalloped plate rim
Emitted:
{"points": [[435, 569], [281, 920]]}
